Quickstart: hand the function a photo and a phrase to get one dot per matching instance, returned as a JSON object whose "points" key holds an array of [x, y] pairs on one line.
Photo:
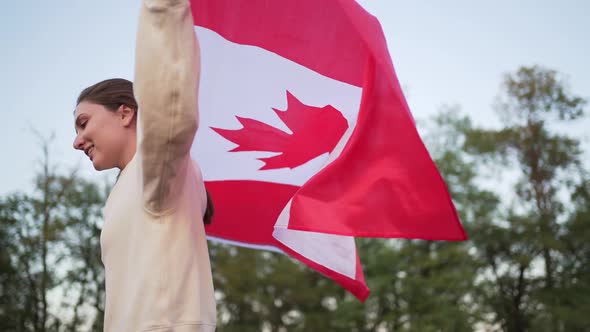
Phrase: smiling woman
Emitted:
{"points": [[106, 123], [153, 243]]}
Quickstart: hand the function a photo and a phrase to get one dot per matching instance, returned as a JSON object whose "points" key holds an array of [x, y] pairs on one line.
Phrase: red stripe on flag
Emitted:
{"points": [[315, 34], [250, 219], [246, 211]]}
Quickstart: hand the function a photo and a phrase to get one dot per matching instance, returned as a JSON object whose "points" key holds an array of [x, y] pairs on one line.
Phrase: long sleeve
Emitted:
{"points": [[166, 87]]}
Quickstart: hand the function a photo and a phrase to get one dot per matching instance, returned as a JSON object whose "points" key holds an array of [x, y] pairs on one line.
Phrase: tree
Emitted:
{"points": [[261, 290], [11, 281], [573, 291], [525, 249], [49, 250], [85, 279]]}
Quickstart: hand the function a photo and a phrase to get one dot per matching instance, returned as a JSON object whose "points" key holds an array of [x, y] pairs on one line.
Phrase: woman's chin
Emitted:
{"points": [[98, 165], [102, 165]]}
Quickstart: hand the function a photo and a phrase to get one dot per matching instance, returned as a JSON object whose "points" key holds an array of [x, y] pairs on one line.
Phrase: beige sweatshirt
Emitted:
{"points": [[154, 249]]}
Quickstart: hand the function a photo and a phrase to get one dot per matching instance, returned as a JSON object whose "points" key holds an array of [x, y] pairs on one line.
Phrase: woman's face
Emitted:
{"points": [[102, 134]]}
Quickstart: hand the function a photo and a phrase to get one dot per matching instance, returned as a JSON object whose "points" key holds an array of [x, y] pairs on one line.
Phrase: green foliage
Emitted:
{"points": [[50, 246], [11, 281], [525, 247], [268, 290], [536, 93]]}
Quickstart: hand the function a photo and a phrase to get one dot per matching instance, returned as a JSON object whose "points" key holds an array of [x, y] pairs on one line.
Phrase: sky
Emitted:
{"points": [[445, 53]]}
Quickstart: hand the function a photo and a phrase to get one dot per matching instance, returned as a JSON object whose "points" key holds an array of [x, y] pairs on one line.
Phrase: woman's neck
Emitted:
{"points": [[128, 154]]}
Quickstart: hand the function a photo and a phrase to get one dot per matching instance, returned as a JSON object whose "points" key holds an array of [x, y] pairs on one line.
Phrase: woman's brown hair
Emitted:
{"points": [[113, 93], [110, 93]]}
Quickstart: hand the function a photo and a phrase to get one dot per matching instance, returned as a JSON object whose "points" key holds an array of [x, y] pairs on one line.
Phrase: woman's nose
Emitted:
{"points": [[79, 142]]}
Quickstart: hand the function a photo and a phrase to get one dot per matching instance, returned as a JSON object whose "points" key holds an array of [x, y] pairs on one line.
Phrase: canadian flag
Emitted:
{"points": [[305, 138]]}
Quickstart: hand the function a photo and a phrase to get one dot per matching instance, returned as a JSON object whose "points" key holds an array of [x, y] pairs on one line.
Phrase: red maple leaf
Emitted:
{"points": [[316, 130]]}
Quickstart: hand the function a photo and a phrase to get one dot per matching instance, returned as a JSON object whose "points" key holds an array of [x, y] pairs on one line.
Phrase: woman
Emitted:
{"points": [[154, 249]]}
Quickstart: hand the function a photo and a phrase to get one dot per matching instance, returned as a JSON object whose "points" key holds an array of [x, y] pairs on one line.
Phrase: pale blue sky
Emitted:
{"points": [[444, 52]]}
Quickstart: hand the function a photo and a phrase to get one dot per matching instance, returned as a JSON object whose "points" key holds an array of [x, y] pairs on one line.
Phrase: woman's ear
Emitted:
{"points": [[127, 115]]}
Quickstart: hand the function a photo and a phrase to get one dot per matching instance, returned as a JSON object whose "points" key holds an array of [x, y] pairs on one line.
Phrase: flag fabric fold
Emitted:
{"points": [[306, 140]]}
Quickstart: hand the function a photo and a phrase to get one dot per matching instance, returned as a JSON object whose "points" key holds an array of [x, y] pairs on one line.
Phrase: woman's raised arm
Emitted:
{"points": [[166, 87]]}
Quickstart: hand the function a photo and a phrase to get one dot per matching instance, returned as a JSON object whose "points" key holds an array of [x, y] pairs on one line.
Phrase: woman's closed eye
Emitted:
{"points": [[81, 124]]}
